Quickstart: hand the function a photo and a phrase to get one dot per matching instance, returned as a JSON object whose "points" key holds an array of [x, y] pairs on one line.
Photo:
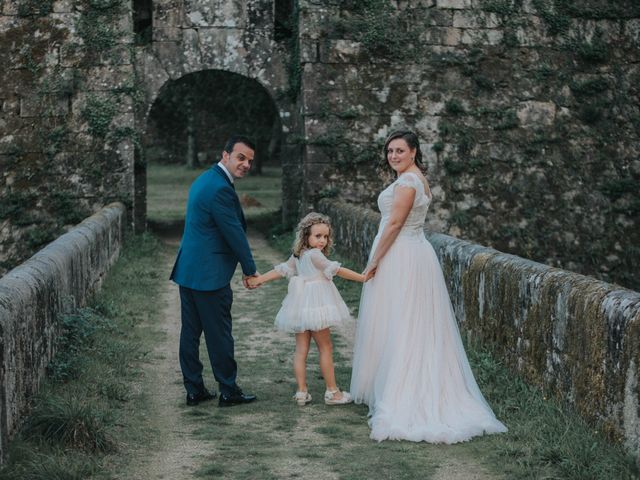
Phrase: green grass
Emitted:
{"points": [[168, 189], [87, 409]]}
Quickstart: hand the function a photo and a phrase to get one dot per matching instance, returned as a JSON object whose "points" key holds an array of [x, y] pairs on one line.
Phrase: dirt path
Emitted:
{"points": [[185, 442], [175, 453]]}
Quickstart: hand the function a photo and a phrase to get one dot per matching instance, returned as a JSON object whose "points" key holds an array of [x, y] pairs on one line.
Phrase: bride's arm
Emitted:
{"points": [[402, 202]]}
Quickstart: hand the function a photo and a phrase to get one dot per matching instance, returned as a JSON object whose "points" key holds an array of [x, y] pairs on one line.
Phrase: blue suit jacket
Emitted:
{"points": [[214, 238]]}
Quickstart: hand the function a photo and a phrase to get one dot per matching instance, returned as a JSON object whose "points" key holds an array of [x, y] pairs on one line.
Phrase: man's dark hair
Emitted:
{"points": [[239, 139]]}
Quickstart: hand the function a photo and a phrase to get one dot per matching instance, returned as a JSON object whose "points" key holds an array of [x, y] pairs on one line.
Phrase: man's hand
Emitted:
{"points": [[249, 281]]}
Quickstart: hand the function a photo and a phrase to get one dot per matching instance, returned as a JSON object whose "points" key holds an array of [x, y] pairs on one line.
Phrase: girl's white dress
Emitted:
{"points": [[409, 363], [312, 302]]}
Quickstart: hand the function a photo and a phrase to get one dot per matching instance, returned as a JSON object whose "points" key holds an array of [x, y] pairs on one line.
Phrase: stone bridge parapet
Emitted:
{"points": [[57, 279], [576, 337]]}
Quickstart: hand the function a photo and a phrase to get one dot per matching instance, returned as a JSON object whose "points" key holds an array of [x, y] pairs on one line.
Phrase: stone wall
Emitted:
{"points": [[67, 89], [57, 279], [528, 113], [576, 337]]}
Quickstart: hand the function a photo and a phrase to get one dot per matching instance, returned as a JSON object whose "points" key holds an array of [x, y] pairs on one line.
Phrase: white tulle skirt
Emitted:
{"points": [[311, 304], [409, 363]]}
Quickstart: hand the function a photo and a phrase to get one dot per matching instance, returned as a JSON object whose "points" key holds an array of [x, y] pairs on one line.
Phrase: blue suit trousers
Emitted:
{"points": [[208, 312]]}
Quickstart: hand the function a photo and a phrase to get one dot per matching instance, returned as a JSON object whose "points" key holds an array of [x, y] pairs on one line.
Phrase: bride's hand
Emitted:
{"points": [[369, 272]]}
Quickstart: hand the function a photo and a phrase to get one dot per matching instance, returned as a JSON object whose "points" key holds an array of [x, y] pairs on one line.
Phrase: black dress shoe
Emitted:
{"points": [[235, 398], [196, 398]]}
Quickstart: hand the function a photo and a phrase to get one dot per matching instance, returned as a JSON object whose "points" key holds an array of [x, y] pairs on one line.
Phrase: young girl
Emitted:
{"points": [[313, 303]]}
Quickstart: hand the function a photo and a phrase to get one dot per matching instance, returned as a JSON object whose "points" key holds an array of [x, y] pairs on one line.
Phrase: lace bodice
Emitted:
{"points": [[415, 221]]}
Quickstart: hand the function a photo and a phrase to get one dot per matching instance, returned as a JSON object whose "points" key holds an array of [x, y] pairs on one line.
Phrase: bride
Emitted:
{"points": [[409, 364]]}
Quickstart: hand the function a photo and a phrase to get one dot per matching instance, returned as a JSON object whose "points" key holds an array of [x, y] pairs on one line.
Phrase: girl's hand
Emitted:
{"points": [[370, 271]]}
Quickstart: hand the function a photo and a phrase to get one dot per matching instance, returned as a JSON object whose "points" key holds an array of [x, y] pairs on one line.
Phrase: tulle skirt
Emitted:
{"points": [[311, 304], [409, 363]]}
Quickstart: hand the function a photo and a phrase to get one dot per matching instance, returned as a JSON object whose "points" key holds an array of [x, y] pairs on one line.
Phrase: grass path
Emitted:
{"points": [[272, 438]]}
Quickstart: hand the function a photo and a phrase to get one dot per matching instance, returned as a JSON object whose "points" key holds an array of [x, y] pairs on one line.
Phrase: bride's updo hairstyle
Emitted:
{"points": [[304, 230], [412, 140]]}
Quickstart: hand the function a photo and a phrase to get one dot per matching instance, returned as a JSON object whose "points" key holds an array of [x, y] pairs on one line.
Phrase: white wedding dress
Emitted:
{"points": [[409, 364]]}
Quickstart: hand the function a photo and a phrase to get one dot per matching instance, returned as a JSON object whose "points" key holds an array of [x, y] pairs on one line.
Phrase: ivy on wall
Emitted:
{"points": [[54, 180]]}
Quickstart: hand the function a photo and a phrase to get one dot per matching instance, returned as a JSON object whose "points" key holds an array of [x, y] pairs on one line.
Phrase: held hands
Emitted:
{"points": [[250, 281], [370, 271]]}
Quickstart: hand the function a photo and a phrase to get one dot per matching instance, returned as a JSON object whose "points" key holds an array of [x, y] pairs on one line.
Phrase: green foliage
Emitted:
{"points": [[590, 87], [590, 113], [38, 236], [55, 138], [34, 8], [72, 425], [553, 15], [617, 188], [97, 25], [454, 107], [507, 120], [595, 51], [78, 334], [600, 9], [462, 218], [294, 66], [453, 167], [99, 113], [544, 72], [504, 8], [13, 203], [383, 33], [447, 59], [483, 82], [438, 147], [68, 421], [348, 114]]}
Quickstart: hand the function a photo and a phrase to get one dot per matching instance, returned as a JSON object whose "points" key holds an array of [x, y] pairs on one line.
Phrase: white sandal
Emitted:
{"points": [[330, 397], [302, 398]]}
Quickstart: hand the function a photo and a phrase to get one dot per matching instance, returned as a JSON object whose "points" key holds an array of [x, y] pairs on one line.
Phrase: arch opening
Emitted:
{"points": [[186, 129]]}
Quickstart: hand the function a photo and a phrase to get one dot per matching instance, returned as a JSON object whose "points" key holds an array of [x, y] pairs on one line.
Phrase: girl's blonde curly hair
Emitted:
{"points": [[303, 231]]}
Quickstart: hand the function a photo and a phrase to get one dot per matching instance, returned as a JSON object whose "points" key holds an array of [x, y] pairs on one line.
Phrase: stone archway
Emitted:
{"points": [[193, 116], [239, 38]]}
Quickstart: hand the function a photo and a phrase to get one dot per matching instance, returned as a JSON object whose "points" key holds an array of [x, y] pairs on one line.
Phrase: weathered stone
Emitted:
{"points": [[48, 105], [454, 4], [536, 113], [58, 279], [481, 36], [342, 51], [475, 19], [441, 36]]}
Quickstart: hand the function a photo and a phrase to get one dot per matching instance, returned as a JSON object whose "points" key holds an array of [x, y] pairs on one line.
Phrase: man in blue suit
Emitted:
{"points": [[213, 243]]}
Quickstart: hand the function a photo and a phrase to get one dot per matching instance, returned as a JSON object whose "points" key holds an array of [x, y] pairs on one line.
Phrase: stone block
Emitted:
{"points": [[341, 51], [216, 13], [63, 6], [632, 30], [46, 104], [482, 36], [309, 51], [441, 36], [534, 113], [108, 77], [454, 4], [412, 4], [224, 49], [475, 19]]}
